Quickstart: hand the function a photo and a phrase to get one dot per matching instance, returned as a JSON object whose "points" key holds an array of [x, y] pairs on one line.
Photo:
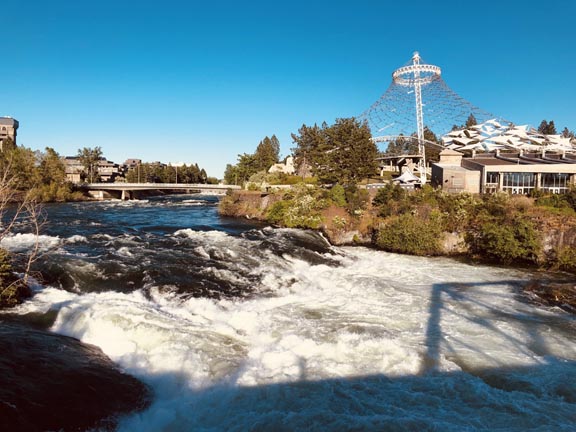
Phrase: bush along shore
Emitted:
{"points": [[538, 232]]}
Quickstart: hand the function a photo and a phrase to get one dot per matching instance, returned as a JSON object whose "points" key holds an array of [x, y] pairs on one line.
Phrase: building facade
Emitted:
{"points": [[515, 173], [8, 129]]}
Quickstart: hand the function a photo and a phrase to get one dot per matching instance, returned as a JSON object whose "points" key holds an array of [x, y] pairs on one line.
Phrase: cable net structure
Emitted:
{"points": [[417, 98]]}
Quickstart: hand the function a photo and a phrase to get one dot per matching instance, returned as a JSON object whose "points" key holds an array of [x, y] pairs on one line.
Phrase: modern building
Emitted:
{"points": [[107, 171], [513, 172], [73, 168], [8, 129], [132, 163]]}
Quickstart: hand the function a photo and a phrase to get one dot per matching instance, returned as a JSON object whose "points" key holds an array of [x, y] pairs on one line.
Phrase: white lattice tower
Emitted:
{"points": [[433, 105]]}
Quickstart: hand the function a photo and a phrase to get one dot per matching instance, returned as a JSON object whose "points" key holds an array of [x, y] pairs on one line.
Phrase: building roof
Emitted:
{"points": [[8, 121], [491, 136], [450, 152], [519, 159]]}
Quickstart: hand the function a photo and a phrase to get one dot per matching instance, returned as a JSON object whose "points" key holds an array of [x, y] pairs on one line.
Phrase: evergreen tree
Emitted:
{"points": [[311, 151], [401, 146], [566, 133], [551, 130], [343, 152], [246, 167], [433, 152], [471, 121], [266, 154], [543, 127]]}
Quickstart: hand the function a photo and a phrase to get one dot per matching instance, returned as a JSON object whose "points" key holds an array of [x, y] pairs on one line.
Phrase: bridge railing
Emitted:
{"points": [[120, 186]]}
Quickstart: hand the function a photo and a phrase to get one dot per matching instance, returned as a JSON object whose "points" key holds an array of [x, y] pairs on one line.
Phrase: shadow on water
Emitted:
{"points": [[538, 396], [485, 317], [438, 401]]}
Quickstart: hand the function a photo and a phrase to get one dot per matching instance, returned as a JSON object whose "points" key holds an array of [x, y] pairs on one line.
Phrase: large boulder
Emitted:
{"points": [[53, 382]]}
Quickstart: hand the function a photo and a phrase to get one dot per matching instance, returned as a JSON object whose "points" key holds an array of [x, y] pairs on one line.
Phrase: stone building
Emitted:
{"points": [[8, 129]]}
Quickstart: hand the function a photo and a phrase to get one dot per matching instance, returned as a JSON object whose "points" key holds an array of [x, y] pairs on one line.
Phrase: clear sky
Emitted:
{"points": [[191, 81]]}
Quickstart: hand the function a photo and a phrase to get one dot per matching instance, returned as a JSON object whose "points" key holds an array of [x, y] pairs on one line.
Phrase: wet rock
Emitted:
{"points": [[13, 294], [53, 382], [554, 294]]}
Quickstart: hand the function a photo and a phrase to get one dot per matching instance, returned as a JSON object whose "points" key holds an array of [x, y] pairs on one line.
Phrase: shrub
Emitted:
{"points": [[390, 192], [457, 210], [411, 234], [338, 195], [506, 241], [12, 290], [339, 222], [496, 205], [356, 200], [566, 259], [277, 213], [299, 208], [55, 192]]}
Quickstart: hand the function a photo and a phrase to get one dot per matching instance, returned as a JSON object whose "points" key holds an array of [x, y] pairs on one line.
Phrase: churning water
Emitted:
{"points": [[239, 327]]}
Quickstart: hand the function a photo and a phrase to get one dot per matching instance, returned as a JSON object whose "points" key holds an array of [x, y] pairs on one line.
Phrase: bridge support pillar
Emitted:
{"points": [[125, 195]]}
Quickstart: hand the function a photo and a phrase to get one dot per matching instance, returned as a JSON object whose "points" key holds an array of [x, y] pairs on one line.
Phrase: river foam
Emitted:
{"points": [[378, 342]]}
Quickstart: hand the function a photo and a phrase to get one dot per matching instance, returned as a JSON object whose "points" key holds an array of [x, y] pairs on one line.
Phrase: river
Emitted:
{"points": [[237, 327]]}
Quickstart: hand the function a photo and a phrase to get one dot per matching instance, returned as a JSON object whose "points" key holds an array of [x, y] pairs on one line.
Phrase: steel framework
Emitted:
{"points": [[418, 98]]}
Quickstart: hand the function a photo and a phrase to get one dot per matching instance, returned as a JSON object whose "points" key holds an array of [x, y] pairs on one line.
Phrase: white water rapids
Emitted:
{"points": [[380, 342]]}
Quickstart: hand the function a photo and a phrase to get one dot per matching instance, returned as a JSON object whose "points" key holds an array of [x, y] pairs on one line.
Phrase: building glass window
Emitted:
{"points": [[518, 183], [492, 182], [555, 183]]}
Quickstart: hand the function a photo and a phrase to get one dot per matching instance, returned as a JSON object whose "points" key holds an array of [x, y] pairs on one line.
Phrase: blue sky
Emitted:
{"points": [[186, 81]]}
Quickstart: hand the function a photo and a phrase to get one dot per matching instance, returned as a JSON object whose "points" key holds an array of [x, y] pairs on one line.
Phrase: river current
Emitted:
{"points": [[241, 327]]}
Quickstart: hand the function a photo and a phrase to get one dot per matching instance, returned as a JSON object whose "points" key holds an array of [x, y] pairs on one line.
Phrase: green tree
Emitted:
{"points": [[89, 158], [353, 155], [203, 176], [21, 163], [52, 169], [311, 151], [267, 153], [433, 152], [402, 145], [343, 152], [8, 144], [230, 175]]}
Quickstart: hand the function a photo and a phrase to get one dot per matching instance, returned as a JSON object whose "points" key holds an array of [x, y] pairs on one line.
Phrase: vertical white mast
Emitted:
{"points": [[419, 116]]}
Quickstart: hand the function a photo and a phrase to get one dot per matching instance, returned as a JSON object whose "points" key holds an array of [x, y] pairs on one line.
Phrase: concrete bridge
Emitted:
{"points": [[126, 191]]}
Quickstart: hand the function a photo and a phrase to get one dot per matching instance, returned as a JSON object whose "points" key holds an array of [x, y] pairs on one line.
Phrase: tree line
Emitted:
{"points": [[339, 153], [549, 128], [267, 154], [161, 173], [38, 176]]}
